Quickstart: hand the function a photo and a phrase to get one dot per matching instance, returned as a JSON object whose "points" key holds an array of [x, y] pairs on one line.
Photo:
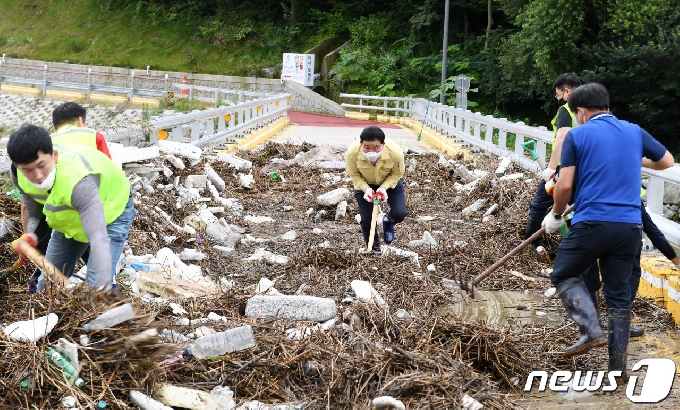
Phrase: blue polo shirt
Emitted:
{"points": [[607, 153]]}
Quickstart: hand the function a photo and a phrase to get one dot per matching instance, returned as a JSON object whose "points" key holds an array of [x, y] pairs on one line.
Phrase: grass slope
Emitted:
{"points": [[85, 32]]}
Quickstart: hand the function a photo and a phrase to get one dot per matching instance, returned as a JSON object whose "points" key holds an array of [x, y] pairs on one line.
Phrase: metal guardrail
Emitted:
{"points": [[208, 128], [505, 138], [90, 83]]}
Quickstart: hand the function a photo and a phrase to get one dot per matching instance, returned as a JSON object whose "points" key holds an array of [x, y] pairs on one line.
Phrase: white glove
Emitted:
{"points": [[383, 193], [368, 195], [552, 223], [547, 174]]}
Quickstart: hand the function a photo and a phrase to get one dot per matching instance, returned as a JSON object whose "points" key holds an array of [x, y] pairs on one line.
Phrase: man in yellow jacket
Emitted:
{"points": [[376, 167], [84, 197]]}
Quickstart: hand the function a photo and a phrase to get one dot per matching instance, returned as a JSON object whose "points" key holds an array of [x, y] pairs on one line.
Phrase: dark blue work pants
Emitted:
{"points": [[616, 245], [396, 198]]}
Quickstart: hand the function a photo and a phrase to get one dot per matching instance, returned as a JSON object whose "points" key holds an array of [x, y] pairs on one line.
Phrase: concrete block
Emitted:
{"points": [[333, 197], [308, 308], [196, 181], [216, 180]]}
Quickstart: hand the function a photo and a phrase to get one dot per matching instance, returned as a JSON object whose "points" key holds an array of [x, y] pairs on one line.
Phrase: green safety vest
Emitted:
{"points": [[72, 134], [76, 162]]}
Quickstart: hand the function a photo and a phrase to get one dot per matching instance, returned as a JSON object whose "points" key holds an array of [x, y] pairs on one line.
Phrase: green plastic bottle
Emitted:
{"points": [[564, 231], [66, 367]]}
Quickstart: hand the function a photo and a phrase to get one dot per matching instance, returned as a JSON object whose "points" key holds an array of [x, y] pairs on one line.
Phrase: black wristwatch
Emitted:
{"points": [[557, 216]]}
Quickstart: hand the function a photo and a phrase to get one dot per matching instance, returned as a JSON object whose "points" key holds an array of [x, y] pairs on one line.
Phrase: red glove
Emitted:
{"points": [[381, 193], [29, 238]]}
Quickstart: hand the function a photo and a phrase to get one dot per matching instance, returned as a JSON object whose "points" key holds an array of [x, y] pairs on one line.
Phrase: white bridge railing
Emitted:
{"points": [[505, 138]]}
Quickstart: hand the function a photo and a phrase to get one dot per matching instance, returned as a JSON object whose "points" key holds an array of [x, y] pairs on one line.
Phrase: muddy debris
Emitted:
{"points": [[404, 348]]}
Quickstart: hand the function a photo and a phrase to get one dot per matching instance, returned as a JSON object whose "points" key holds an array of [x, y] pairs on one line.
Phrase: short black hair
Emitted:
{"points": [[592, 96], [66, 113], [27, 142], [372, 133], [568, 80]]}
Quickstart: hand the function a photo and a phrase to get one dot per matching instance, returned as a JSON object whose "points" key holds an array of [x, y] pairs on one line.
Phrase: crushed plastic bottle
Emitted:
{"points": [[173, 336], [112, 317], [66, 367], [217, 344]]}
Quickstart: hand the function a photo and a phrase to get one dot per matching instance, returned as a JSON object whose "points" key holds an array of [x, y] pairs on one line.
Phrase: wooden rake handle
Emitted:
{"points": [[41, 262], [372, 234]]}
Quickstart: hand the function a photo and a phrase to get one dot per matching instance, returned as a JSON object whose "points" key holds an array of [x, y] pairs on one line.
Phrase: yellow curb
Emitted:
{"points": [[146, 100], [109, 98], [286, 132], [357, 115], [662, 282], [69, 95], [8, 88], [258, 137]]}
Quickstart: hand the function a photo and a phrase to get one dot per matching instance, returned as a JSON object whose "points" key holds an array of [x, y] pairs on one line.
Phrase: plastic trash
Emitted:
{"points": [[66, 367], [31, 330], [217, 344], [112, 317], [150, 267], [145, 402], [222, 398], [173, 336]]}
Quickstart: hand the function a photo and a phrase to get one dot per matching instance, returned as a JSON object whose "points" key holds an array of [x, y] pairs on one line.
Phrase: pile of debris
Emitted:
{"points": [[265, 246]]}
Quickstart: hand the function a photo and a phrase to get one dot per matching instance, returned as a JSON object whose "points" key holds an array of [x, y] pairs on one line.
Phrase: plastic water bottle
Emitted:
{"points": [[217, 344], [66, 367], [112, 317], [222, 398]]}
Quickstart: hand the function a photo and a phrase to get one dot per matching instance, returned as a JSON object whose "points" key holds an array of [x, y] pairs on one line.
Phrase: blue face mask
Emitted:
{"points": [[373, 156]]}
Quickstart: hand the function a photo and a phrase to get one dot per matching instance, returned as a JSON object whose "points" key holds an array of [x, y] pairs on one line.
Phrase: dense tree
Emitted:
{"points": [[513, 49]]}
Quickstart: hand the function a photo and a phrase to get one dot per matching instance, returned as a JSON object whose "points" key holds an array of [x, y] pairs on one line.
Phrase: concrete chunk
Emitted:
{"points": [[333, 197], [309, 308], [214, 178]]}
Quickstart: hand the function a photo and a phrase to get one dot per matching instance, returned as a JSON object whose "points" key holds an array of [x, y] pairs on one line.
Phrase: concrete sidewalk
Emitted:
{"points": [[328, 130]]}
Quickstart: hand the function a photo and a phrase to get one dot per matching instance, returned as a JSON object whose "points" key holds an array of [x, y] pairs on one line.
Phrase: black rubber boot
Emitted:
{"points": [[636, 331], [376, 240], [619, 330], [576, 301], [594, 298], [532, 228]]}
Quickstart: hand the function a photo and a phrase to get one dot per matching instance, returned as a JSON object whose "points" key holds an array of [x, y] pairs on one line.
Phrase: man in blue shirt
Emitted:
{"points": [[601, 161]]}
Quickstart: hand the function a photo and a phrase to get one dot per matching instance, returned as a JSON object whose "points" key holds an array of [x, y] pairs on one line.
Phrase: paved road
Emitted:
{"points": [[321, 129]]}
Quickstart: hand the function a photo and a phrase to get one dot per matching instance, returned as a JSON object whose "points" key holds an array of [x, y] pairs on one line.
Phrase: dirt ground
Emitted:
{"points": [[433, 358]]}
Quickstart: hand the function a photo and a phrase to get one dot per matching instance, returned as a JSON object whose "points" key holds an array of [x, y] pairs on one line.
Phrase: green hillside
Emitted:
{"points": [[88, 32]]}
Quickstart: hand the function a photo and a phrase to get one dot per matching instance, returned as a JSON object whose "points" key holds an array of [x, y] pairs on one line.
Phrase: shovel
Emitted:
{"points": [[530, 147], [501, 261], [377, 198]]}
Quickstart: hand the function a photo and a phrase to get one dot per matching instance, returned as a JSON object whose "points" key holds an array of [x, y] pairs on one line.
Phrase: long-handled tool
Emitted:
{"points": [[41, 262], [530, 147], [501, 261], [377, 198]]}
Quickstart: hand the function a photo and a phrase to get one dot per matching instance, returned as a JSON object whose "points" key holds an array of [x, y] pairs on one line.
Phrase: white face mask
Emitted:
{"points": [[48, 182], [373, 156]]}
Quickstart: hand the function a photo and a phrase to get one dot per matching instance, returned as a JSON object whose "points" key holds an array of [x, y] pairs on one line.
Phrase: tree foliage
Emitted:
{"points": [[628, 45]]}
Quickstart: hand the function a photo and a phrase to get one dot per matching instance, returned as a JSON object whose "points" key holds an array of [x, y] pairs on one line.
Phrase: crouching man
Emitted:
{"points": [[84, 197]]}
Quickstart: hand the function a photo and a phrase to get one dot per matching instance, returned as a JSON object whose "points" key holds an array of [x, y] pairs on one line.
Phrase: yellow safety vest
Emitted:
{"points": [[72, 134], [573, 121], [74, 163]]}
